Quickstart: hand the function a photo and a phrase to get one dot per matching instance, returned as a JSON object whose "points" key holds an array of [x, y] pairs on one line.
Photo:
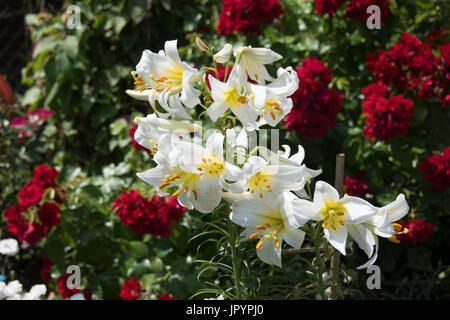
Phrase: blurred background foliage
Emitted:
{"points": [[82, 75]]}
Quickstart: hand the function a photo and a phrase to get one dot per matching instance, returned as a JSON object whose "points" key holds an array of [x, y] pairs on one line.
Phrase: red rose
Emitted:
{"points": [[47, 265], [167, 296], [315, 105], [356, 186], [131, 289], [418, 231], [328, 6], [247, 16], [436, 170], [153, 216]]}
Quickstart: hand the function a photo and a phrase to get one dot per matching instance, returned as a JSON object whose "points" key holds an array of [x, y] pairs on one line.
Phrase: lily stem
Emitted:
{"points": [[318, 264], [335, 257], [235, 260]]}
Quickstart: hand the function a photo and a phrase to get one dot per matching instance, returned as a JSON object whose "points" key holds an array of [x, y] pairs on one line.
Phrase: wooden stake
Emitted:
{"points": [[339, 185]]}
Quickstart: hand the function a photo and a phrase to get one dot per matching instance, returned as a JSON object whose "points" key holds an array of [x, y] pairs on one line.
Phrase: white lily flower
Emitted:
{"points": [[171, 81], [271, 220], [272, 100], [382, 224], [141, 95], [252, 61], [340, 216], [195, 171], [233, 95], [224, 54], [261, 177], [151, 128]]}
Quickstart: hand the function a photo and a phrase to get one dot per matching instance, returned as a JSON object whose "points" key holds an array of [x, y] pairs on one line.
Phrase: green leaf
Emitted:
{"points": [[156, 265], [138, 250], [44, 45], [31, 95], [70, 46], [117, 126]]}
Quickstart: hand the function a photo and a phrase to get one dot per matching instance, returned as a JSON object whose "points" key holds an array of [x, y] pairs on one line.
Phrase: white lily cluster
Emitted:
{"points": [[162, 77], [266, 192]]}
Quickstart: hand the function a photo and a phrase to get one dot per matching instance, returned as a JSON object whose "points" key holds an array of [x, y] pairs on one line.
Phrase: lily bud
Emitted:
{"points": [[201, 44], [224, 54]]}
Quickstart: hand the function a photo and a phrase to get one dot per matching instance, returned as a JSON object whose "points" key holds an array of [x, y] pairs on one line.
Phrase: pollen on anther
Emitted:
{"points": [[340, 213], [260, 227], [341, 222], [164, 184], [277, 243], [255, 235], [176, 193], [324, 225], [259, 245]]}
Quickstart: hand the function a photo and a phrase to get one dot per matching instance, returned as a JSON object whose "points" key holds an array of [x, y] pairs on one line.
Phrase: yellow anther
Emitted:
{"points": [[272, 115], [255, 235], [341, 222], [397, 227], [260, 195], [186, 189], [394, 239], [175, 177], [268, 225], [195, 194], [242, 99], [260, 227], [277, 243], [164, 184], [340, 213], [200, 169], [252, 190], [161, 79], [259, 245], [324, 225], [274, 232], [176, 193], [334, 228], [327, 217]]}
